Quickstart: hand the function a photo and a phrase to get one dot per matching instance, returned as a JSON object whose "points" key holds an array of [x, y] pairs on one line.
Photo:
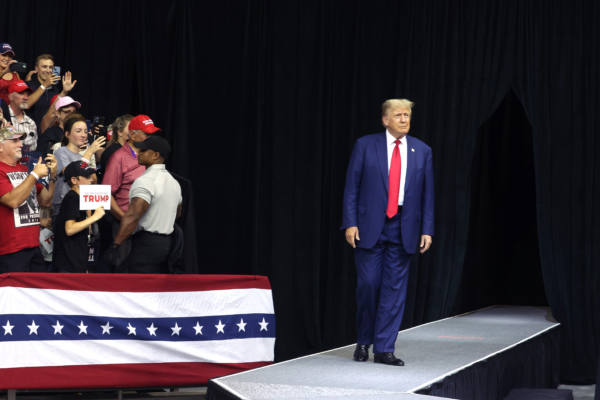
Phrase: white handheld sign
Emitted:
{"points": [[94, 196]]}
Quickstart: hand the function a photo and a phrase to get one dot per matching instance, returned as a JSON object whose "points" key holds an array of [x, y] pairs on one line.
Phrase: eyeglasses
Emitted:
{"points": [[66, 111]]}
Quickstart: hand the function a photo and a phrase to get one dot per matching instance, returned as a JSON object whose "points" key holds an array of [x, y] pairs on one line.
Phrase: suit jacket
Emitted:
{"points": [[366, 192]]}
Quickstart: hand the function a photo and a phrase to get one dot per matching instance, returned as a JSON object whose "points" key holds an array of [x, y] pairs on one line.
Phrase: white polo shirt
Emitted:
{"points": [[159, 189]]}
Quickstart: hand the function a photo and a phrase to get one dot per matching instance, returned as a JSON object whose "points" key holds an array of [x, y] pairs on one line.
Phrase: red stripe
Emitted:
{"points": [[118, 375], [133, 282]]}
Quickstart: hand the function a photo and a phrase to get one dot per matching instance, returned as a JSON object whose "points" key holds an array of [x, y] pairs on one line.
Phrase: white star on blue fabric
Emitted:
{"points": [[242, 325], [220, 327], [33, 327], [198, 328], [106, 328], [263, 325], [131, 330], [176, 330], [152, 330], [82, 328], [8, 328], [58, 328]]}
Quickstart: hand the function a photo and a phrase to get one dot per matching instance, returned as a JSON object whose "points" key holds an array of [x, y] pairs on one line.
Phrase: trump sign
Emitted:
{"points": [[94, 196]]}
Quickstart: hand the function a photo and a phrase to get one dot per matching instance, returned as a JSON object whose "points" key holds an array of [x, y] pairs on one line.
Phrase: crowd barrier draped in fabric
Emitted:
{"points": [[61, 331]]}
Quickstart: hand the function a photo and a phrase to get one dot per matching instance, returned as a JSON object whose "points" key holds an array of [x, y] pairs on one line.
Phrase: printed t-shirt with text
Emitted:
{"points": [[20, 226]]}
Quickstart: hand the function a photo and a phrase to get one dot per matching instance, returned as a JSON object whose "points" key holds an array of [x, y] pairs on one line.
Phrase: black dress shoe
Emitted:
{"points": [[361, 353], [388, 358]]}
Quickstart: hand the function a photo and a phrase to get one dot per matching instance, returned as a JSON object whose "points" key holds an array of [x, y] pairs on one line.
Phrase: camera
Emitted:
{"points": [[18, 67]]}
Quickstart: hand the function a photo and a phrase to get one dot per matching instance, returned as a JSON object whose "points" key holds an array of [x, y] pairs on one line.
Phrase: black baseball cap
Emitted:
{"points": [[155, 143], [77, 168]]}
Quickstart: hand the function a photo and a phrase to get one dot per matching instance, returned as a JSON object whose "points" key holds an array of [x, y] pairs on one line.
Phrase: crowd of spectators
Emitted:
{"points": [[48, 151]]}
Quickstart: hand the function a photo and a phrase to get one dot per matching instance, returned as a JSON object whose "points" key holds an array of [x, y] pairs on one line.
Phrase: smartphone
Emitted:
{"points": [[18, 67], [98, 121], [56, 71]]}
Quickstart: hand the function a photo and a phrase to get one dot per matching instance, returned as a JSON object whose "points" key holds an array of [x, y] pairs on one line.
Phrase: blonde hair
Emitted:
{"points": [[119, 124], [396, 103]]}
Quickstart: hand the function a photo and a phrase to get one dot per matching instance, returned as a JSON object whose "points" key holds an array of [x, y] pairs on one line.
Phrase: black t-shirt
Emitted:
{"points": [[52, 135], [40, 108], [110, 150], [70, 252]]}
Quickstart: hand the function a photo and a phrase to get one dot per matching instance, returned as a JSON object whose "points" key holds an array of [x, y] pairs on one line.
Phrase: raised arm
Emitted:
{"points": [[18, 195], [38, 93], [72, 227]]}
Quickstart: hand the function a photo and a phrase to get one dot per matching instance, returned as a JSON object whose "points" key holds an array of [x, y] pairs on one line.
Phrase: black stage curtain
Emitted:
{"points": [[502, 259], [263, 100]]}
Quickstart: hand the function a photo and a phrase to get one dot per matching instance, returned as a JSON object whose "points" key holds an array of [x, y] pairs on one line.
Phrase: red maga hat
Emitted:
{"points": [[143, 123], [19, 86]]}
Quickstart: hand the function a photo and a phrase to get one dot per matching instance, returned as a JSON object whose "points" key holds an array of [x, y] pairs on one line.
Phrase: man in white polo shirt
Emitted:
{"points": [[154, 205]]}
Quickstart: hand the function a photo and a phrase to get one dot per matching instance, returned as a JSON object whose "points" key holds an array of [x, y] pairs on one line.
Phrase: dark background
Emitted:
{"points": [[263, 101]]}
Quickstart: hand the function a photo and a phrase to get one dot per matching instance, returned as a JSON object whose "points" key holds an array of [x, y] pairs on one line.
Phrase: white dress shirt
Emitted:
{"points": [[403, 157]]}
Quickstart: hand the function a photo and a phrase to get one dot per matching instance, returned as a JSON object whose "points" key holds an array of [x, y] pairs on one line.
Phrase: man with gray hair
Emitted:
{"points": [[20, 199], [388, 201], [19, 93]]}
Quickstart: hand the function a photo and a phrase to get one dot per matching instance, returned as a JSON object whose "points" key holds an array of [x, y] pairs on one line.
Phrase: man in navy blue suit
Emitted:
{"points": [[388, 201]]}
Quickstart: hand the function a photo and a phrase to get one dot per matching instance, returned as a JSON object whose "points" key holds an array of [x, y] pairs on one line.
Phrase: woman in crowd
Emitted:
{"points": [[73, 148], [120, 134], [7, 77]]}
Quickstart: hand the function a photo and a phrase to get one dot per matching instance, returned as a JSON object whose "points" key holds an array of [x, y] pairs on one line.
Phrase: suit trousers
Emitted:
{"points": [[381, 291]]}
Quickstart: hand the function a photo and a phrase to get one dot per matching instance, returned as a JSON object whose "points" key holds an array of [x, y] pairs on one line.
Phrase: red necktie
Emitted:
{"points": [[394, 177]]}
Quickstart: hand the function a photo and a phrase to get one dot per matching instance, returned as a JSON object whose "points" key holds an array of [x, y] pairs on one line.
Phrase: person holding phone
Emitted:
{"points": [[45, 82], [73, 148], [7, 77], [20, 200]]}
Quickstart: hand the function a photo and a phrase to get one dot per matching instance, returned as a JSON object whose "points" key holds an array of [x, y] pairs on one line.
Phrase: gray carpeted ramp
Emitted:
{"points": [[431, 352]]}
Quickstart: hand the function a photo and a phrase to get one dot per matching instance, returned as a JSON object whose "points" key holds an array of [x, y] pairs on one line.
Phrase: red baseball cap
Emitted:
{"points": [[143, 123], [19, 86]]}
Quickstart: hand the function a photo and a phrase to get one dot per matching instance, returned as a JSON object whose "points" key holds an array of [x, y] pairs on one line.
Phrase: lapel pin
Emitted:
{"points": [[413, 150]]}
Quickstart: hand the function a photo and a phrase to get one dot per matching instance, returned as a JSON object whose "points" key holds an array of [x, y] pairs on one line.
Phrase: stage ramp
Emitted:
{"points": [[479, 355]]}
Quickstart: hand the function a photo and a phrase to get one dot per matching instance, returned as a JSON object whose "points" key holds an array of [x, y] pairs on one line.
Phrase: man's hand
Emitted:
{"points": [[52, 164], [352, 235], [96, 130], [46, 223], [425, 243], [51, 80], [29, 75], [41, 169], [68, 83]]}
